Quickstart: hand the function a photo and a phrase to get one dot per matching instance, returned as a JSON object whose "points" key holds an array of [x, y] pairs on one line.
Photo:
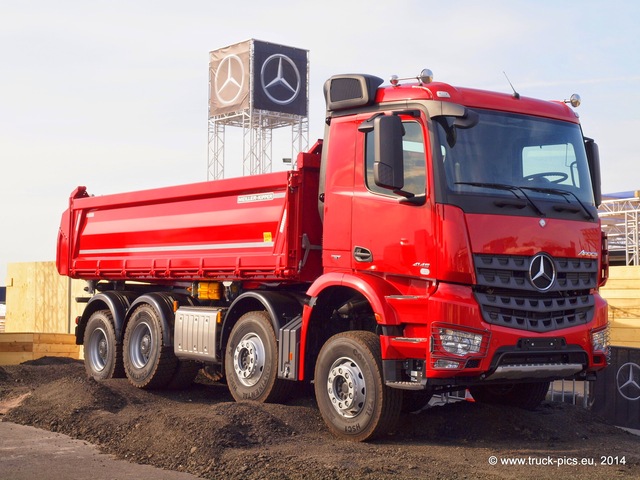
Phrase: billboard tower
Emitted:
{"points": [[257, 86]]}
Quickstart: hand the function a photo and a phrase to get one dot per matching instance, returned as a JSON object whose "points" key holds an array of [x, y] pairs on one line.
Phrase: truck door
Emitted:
{"points": [[339, 156], [389, 234]]}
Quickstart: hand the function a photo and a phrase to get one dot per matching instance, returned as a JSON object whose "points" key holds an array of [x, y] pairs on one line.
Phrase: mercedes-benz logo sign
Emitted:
{"points": [[280, 79], [229, 79], [542, 272], [628, 381]]}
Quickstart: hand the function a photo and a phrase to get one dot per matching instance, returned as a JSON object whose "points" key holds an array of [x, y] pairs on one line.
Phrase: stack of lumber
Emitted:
{"points": [[622, 292], [16, 348]]}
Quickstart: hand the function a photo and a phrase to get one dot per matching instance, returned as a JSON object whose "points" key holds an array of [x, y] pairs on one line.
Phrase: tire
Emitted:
{"points": [[352, 398], [148, 362], [527, 396], [102, 353], [414, 400], [184, 375], [251, 361]]}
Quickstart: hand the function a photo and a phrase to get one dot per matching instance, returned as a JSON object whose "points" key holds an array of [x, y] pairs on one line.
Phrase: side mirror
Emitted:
{"points": [[593, 158], [388, 166]]}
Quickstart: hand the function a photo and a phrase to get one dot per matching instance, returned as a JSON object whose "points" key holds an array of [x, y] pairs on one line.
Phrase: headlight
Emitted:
{"points": [[458, 342]]}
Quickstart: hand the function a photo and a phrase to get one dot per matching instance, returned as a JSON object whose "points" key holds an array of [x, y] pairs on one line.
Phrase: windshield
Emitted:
{"points": [[514, 155]]}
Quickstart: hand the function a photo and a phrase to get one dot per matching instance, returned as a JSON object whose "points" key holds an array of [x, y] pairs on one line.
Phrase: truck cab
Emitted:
{"points": [[466, 221]]}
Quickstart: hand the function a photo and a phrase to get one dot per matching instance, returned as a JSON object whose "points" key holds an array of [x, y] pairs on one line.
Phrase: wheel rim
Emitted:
{"points": [[249, 359], [98, 349], [346, 387], [140, 345]]}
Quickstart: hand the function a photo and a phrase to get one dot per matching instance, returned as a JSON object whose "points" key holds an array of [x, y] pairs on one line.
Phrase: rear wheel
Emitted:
{"points": [[351, 395], [251, 361], [522, 395], [102, 354], [148, 362]]}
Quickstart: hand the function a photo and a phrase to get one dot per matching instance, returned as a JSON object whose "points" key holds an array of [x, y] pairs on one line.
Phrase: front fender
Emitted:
{"points": [[281, 307], [375, 289]]}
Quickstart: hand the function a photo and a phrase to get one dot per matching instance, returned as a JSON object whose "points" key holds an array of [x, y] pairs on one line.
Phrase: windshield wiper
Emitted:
{"points": [[564, 194], [511, 188]]}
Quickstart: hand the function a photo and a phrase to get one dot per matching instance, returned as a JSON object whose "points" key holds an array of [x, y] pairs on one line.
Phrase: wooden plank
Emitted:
{"points": [[630, 271], [55, 348], [631, 323], [620, 293], [623, 302], [625, 319], [613, 282], [57, 338], [622, 340], [16, 347], [16, 337], [626, 334], [14, 358], [628, 305], [631, 313]]}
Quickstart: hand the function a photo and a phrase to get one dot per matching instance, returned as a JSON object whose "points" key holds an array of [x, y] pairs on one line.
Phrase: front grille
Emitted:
{"points": [[512, 272], [508, 298]]}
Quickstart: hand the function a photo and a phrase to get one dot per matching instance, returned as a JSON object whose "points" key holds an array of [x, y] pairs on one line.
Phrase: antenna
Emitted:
{"points": [[516, 95]]}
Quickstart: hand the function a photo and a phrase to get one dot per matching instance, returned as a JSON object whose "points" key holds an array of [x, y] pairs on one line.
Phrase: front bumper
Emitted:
{"points": [[503, 355]]}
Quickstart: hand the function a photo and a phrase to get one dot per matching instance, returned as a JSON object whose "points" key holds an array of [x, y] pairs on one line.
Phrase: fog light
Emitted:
{"points": [[600, 340], [448, 364], [458, 342]]}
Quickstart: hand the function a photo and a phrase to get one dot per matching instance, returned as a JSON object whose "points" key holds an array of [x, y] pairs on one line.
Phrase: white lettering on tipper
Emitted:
{"points": [[257, 197]]}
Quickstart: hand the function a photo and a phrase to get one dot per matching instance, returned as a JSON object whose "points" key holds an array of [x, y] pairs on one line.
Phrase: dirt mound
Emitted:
{"points": [[202, 431]]}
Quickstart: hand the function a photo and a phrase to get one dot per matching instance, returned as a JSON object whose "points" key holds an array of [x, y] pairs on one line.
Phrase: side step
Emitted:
{"points": [[405, 385]]}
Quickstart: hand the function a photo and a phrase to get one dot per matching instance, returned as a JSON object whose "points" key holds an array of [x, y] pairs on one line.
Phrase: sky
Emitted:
{"points": [[113, 95]]}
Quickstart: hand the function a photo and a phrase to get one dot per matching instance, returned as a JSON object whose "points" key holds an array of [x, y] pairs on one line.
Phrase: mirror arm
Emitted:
{"points": [[416, 200], [403, 193]]}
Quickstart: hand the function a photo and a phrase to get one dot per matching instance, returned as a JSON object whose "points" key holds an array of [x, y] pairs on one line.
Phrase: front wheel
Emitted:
{"points": [[350, 391], [522, 395]]}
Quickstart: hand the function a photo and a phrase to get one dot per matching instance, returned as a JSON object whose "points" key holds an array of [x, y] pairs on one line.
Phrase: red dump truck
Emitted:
{"points": [[437, 239]]}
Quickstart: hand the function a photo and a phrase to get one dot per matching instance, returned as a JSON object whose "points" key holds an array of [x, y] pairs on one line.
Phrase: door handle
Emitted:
{"points": [[361, 254]]}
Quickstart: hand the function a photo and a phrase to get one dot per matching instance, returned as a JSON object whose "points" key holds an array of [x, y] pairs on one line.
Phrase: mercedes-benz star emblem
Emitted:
{"points": [[542, 272], [229, 79], [628, 381], [280, 79]]}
